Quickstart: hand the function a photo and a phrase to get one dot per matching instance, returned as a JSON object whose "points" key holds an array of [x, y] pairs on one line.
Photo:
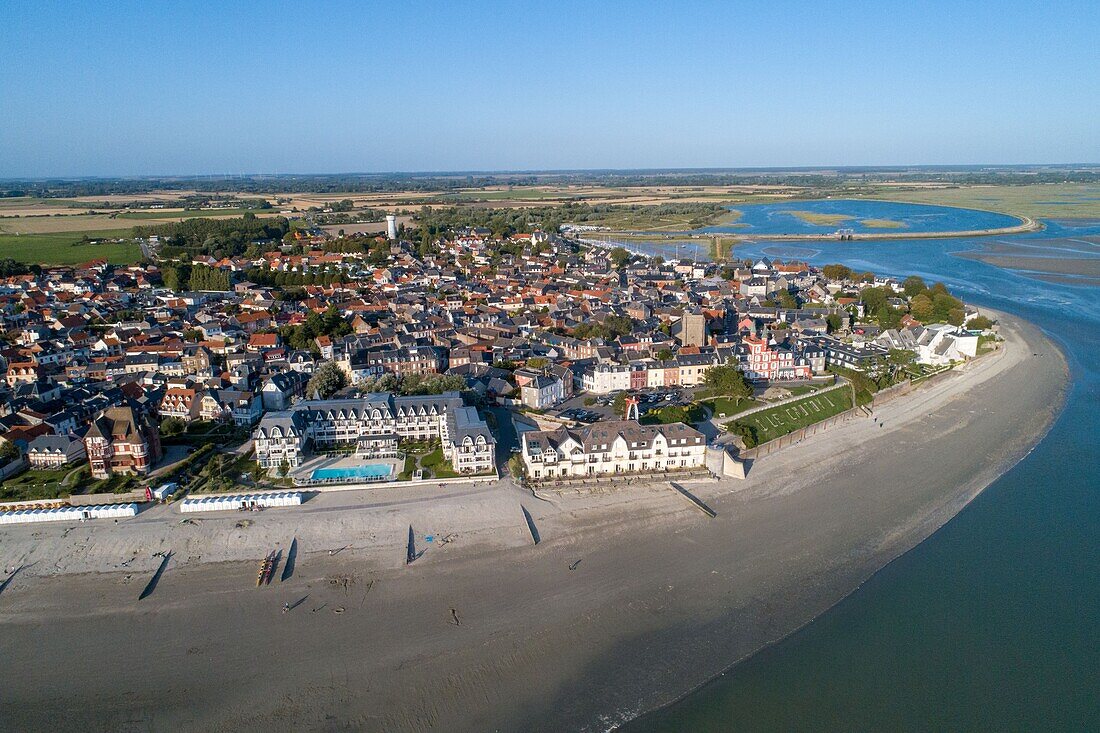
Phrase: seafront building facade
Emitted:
{"points": [[121, 440], [374, 426], [622, 446], [686, 370]]}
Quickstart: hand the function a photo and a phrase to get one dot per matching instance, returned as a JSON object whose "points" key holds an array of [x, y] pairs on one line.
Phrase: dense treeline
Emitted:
{"points": [[414, 384], [396, 182], [268, 278], [10, 268], [329, 323], [200, 277], [215, 237]]}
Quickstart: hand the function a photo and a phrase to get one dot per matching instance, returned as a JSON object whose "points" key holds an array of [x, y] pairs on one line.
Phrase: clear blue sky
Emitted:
{"points": [[127, 88]]}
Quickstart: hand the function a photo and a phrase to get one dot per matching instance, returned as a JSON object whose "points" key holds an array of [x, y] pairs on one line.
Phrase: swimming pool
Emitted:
{"points": [[367, 472]]}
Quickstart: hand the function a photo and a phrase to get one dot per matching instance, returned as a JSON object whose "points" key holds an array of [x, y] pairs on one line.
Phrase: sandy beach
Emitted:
{"points": [[632, 598]]}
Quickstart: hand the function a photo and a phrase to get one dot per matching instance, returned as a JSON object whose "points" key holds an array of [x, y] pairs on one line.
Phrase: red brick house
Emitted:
{"points": [[121, 441]]}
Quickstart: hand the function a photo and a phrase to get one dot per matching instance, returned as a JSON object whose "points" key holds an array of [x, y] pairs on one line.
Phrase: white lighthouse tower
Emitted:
{"points": [[391, 226]]}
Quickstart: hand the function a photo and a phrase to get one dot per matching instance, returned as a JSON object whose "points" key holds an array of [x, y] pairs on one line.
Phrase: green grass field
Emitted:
{"points": [[722, 407], [1052, 201], [68, 248], [778, 421]]}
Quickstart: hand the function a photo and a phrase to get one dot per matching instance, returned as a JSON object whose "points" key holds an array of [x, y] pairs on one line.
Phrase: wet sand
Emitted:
{"points": [[490, 632]]}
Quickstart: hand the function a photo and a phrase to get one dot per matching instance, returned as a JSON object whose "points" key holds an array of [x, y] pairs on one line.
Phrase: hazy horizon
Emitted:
{"points": [[133, 90], [644, 170]]}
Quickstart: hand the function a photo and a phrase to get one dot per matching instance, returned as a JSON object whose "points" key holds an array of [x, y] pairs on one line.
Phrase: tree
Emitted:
{"points": [[619, 405], [8, 452], [873, 299], [837, 272], [664, 354], [913, 285], [943, 305], [727, 380], [619, 256], [516, 467], [786, 300], [537, 362], [920, 307], [176, 278], [889, 316], [834, 322], [980, 323], [748, 434], [172, 426], [327, 380]]}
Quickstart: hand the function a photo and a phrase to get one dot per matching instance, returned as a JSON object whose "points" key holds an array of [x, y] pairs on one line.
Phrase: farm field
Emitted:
{"points": [[1051, 201], [69, 248], [778, 421]]}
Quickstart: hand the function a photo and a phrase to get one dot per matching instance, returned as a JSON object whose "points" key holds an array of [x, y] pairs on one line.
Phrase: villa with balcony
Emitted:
{"points": [[359, 439], [619, 447]]}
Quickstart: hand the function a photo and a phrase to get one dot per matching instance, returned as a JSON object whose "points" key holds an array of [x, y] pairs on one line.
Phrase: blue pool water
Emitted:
{"points": [[368, 471]]}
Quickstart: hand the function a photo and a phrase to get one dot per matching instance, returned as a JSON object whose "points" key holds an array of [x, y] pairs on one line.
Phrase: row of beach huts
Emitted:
{"points": [[69, 513], [242, 502], [50, 512]]}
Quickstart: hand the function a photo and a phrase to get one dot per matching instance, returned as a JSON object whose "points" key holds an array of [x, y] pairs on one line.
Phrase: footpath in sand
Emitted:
{"points": [[632, 598]]}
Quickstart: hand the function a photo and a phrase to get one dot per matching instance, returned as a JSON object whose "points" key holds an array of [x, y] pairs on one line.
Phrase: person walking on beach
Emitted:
{"points": [[286, 607]]}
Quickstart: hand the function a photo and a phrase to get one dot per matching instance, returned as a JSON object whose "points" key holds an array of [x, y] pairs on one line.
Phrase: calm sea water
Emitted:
{"points": [[993, 623], [776, 218]]}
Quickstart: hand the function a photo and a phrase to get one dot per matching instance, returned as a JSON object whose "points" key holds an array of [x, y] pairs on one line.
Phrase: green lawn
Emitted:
{"points": [[409, 470], [69, 248], [36, 484], [117, 484], [673, 414], [438, 465], [778, 421], [720, 405]]}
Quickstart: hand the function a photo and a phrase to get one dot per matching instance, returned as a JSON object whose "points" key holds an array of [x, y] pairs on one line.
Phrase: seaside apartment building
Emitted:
{"points": [[761, 361], [375, 425], [684, 370], [612, 447]]}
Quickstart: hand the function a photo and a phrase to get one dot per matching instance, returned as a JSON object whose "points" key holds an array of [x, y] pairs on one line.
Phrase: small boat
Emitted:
{"points": [[271, 567], [266, 566]]}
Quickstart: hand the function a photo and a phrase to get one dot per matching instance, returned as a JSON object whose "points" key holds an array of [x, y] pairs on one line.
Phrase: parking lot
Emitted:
{"points": [[603, 406]]}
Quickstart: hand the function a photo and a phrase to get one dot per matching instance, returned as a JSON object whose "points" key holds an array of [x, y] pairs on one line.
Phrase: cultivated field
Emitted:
{"points": [[69, 248]]}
